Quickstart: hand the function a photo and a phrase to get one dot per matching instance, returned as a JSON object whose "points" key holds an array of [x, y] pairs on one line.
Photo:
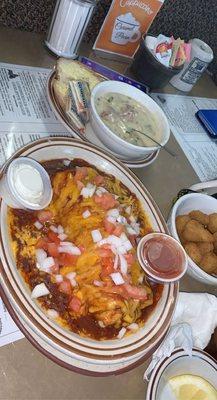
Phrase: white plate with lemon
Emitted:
{"points": [[184, 377]]}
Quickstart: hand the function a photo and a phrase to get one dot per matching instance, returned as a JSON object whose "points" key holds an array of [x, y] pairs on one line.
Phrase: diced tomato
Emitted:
{"points": [[53, 237], [45, 216], [80, 185], [75, 304], [105, 252], [98, 180], [67, 259], [81, 248], [109, 226], [106, 201], [118, 230], [65, 287], [134, 292], [53, 250], [107, 267], [130, 258], [55, 268], [42, 243], [80, 174]]}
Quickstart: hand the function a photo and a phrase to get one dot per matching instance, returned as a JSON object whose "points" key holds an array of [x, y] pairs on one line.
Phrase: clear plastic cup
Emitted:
{"points": [[162, 257], [18, 186]]}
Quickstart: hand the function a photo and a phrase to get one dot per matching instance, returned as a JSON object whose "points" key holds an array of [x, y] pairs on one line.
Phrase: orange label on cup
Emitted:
{"points": [[125, 23]]}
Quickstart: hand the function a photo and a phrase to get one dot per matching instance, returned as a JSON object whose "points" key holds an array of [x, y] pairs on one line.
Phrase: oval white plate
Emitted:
{"points": [[18, 294], [90, 136]]}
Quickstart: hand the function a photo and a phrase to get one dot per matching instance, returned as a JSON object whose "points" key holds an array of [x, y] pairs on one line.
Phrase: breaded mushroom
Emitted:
{"points": [[181, 221], [195, 232], [209, 263], [212, 225], [215, 242], [193, 252], [205, 247], [199, 216]]}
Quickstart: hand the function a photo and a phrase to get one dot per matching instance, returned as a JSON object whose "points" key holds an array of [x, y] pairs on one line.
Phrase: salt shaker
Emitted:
{"points": [[69, 21]]}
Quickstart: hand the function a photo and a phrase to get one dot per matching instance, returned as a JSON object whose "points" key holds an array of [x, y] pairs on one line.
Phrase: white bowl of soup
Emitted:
{"points": [[127, 120]]}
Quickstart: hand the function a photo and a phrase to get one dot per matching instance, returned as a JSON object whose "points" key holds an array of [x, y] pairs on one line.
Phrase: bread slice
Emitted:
{"points": [[67, 70]]}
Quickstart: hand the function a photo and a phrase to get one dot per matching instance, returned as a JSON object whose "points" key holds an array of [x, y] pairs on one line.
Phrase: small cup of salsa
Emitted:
{"points": [[162, 257]]}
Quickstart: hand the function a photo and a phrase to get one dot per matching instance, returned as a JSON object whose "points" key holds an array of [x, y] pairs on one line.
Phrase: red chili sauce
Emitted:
{"points": [[163, 258]]}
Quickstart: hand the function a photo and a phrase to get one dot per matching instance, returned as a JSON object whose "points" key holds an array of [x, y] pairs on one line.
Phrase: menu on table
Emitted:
{"points": [[25, 116], [197, 145], [25, 113]]}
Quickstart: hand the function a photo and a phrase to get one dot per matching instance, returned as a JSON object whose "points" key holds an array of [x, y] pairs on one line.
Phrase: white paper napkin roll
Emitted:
{"points": [[201, 56]]}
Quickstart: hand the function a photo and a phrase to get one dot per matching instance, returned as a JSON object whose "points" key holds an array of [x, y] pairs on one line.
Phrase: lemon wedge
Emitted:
{"points": [[192, 387]]}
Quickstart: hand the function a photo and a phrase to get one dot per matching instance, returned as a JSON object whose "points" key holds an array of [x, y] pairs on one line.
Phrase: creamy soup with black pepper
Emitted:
{"points": [[125, 116]]}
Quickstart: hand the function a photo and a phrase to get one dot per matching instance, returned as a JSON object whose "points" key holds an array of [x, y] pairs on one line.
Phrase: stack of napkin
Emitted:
{"points": [[194, 321]]}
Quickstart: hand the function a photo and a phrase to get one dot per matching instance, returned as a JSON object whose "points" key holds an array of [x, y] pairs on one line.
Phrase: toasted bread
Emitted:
{"points": [[67, 70]]}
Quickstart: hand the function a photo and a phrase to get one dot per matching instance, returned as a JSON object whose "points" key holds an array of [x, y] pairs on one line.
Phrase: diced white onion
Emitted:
{"points": [[130, 230], [41, 255], [111, 219], [62, 236], [91, 186], [66, 162], [66, 244], [132, 218], [127, 245], [100, 190], [117, 278], [73, 282], [71, 275], [101, 324], [123, 264], [114, 250], [121, 250], [114, 240], [136, 227], [53, 228], [69, 249], [98, 283], [88, 191], [86, 214], [122, 220], [121, 333], [58, 278], [39, 291], [96, 235], [38, 225], [133, 327], [47, 263], [116, 261], [140, 279], [60, 229], [52, 313], [114, 212], [123, 237], [128, 210]]}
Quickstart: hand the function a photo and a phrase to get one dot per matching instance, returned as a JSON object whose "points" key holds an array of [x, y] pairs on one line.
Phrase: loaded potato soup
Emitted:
{"points": [[78, 256], [125, 116]]}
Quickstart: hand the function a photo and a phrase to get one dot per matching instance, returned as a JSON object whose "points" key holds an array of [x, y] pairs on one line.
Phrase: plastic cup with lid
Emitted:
{"points": [[162, 257], [26, 184]]}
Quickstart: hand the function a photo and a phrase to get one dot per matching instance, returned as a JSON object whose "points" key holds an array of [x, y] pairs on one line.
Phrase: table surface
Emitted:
{"points": [[24, 372]]}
